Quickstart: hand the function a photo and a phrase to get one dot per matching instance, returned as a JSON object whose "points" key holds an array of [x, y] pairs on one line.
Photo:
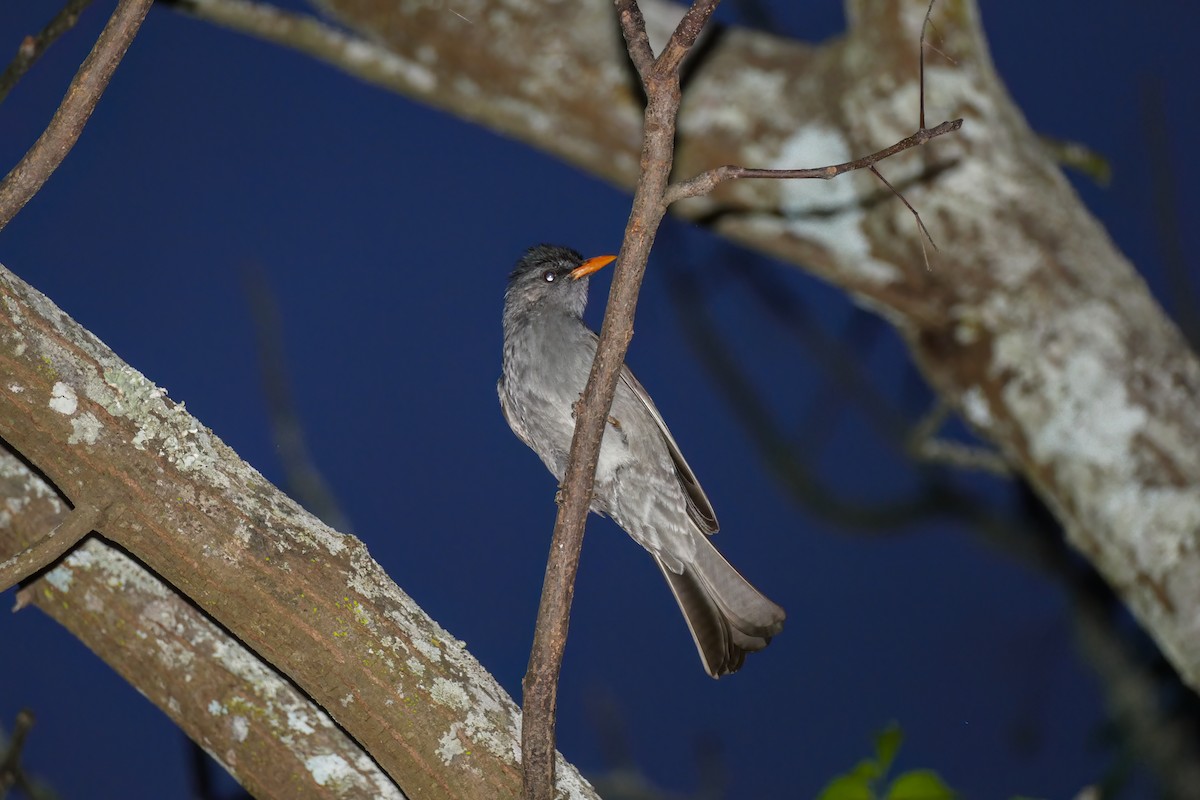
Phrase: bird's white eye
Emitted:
{"points": [[549, 276]]}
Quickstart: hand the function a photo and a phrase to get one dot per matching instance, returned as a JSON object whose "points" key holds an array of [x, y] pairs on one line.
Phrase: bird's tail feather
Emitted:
{"points": [[746, 607], [725, 614]]}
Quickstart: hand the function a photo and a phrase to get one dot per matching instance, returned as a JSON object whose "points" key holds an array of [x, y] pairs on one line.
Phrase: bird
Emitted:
{"points": [[642, 481]]}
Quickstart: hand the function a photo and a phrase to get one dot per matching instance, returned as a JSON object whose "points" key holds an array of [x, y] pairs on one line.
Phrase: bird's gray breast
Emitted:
{"points": [[547, 357]]}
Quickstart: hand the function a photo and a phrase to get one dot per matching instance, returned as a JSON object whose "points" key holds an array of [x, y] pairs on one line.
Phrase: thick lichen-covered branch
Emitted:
{"points": [[301, 597]]}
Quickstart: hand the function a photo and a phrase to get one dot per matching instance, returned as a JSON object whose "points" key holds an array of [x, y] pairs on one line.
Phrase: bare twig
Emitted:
{"points": [[921, 82], [27, 177], [962, 456], [305, 483], [54, 545], [11, 773], [925, 444], [32, 47], [661, 83], [708, 180], [920, 225], [637, 41], [1178, 269], [681, 41]]}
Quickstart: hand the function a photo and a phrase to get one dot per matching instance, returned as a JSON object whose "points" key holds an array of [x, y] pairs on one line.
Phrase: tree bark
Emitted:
{"points": [[197, 522], [248, 717]]}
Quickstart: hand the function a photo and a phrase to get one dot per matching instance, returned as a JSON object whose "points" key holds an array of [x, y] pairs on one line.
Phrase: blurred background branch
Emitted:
{"points": [[32, 47]]}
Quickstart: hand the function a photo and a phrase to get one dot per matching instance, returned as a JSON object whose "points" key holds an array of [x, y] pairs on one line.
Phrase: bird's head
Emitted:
{"points": [[551, 277]]}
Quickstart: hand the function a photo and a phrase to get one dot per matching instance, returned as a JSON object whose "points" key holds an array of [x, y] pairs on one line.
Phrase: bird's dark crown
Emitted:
{"points": [[546, 256]]}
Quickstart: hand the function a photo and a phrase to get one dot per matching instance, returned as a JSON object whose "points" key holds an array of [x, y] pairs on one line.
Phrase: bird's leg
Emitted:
{"points": [[616, 423]]}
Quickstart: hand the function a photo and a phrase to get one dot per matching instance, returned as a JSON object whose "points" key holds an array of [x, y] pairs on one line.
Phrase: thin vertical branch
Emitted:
{"points": [[39, 163], [661, 83], [924, 27]]}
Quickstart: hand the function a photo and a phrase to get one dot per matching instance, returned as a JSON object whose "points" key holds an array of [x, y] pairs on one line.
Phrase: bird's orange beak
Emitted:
{"points": [[590, 266]]}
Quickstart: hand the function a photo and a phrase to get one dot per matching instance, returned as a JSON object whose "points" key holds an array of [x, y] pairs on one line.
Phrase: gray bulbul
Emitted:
{"points": [[642, 481]]}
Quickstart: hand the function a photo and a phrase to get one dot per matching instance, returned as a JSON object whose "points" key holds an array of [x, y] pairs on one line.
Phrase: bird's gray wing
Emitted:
{"points": [[699, 509]]}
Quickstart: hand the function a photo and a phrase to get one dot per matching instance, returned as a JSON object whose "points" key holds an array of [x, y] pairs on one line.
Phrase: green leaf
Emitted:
{"points": [[867, 771], [919, 784], [847, 787], [887, 744]]}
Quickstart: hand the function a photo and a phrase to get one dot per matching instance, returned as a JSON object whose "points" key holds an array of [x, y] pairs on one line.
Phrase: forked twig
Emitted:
{"points": [[661, 81], [82, 520], [709, 180], [706, 181]]}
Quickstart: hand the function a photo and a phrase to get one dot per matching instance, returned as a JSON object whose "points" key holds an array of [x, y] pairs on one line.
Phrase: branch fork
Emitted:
{"points": [[83, 519]]}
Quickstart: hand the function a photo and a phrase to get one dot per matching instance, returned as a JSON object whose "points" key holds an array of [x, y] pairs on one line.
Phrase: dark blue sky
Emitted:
{"points": [[386, 231]]}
